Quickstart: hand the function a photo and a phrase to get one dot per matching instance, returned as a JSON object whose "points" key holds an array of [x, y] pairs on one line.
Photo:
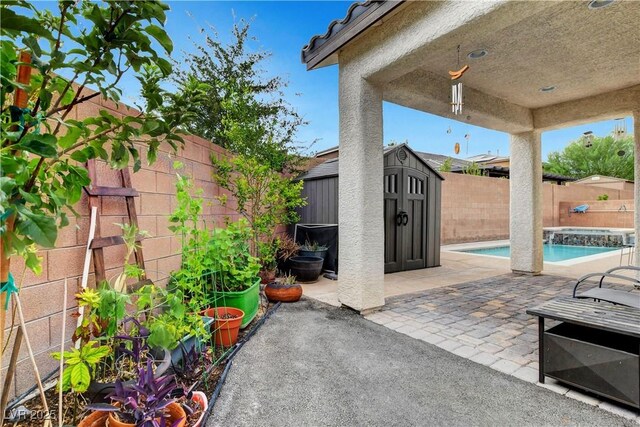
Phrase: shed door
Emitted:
{"points": [[405, 210], [414, 228], [392, 232]]}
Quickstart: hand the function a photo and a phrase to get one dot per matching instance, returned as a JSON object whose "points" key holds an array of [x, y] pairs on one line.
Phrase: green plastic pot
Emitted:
{"points": [[247, 301]]}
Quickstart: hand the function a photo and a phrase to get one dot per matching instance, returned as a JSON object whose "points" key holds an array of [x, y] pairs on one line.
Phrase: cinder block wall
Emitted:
{"points": [[42, 296], [476, 208], [606, 213]]}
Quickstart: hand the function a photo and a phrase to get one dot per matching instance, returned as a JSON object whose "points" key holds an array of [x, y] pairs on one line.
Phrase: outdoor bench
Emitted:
{"points": [[596, 347]]}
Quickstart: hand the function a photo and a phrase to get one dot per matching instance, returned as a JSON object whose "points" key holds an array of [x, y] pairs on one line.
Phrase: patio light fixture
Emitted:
{"points": [[599, 4], [477, 54]]}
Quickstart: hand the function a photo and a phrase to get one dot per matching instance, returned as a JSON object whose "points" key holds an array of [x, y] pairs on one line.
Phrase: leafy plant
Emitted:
{"points": [[313, 247], [167, 327], [43, 145], [603, 197], [265, 198], [185, 219], [234, 268], [104, 308], [143, 403], [80, 365], [287, 279], [287, 247]]}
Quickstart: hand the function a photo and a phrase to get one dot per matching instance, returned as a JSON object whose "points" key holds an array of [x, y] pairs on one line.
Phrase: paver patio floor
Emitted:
{"points": [[485, 321]]}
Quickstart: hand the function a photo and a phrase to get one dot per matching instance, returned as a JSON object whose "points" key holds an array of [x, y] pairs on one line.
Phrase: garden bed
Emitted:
{"points": [[207, 383]]}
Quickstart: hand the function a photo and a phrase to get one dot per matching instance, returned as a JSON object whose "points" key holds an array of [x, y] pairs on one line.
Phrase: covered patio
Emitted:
{"points": [[534, 67]]}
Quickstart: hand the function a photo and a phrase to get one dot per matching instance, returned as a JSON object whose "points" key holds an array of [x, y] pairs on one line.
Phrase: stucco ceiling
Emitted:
{"points": [[580, 51]]}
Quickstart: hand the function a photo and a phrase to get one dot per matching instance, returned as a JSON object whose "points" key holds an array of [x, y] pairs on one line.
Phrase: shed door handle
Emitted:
{"points": [[405, 218], [399, 218]]}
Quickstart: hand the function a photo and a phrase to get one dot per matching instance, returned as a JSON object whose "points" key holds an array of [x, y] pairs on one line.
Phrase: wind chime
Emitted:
{"points": [[619, 128], [587, 139], [456, 87]]}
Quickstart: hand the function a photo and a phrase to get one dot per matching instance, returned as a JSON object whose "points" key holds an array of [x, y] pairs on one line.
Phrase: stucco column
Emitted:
{"points": [[636, 180], [360, 205], [525, 184]]}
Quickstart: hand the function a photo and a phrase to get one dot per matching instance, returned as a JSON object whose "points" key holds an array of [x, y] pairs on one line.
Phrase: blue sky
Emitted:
{"points": [[284, 27]]}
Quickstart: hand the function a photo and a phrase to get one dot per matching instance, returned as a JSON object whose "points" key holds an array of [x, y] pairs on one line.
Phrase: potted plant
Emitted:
{"points": [[227, 324], [284, 289], [313, 249], [233, 281], [190, 369], [148, 402]]}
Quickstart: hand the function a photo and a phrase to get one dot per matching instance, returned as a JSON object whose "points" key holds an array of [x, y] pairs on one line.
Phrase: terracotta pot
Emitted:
{"points": [[283, 292], [225, 330], [267, 276], [201, 399], [175, 413], [94, 419]]}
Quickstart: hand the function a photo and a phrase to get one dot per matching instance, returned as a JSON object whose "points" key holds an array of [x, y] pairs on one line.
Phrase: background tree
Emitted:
{"points": [[245, 111], [606, 156]]}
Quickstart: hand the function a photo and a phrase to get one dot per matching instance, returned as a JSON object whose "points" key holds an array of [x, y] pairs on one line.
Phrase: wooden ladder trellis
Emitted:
{"points": [[98, 243]]}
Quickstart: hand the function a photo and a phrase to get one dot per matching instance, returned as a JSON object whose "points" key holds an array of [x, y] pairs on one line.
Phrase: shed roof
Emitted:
{"points": [[329, 168], [600, 179]]}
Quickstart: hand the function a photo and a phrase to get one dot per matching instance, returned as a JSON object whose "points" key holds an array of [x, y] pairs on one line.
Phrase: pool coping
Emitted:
{"points": [[460, 248]]}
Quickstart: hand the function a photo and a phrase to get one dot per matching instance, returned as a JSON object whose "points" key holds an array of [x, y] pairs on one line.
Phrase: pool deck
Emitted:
{"points": [[460, 267]]}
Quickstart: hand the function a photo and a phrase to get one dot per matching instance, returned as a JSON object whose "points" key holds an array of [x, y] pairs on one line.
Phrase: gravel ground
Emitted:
{"points": [[311, 364]]}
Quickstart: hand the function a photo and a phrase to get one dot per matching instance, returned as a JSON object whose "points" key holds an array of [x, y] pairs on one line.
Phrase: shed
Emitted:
{"points": [[412, 190]]}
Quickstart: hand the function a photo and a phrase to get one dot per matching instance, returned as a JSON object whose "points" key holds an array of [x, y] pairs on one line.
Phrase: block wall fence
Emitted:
{"points": [[42, 296], [476, 208]]}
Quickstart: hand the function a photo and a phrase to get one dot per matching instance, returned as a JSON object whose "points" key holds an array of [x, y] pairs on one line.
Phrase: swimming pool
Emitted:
{"points": [[551, 253]]}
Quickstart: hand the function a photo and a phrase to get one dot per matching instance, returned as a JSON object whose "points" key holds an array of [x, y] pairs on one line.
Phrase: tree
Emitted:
{"points": [[43, 148], [606, 156], [446, 165], [245, 111], [264, 197]]}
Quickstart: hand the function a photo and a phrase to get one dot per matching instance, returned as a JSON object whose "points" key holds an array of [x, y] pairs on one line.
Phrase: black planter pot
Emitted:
{"points": [[322, 254], [306, 268]]}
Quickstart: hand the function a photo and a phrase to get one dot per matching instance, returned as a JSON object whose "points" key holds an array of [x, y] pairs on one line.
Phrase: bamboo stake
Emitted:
{"points": [[64, 321], [47, 422]]}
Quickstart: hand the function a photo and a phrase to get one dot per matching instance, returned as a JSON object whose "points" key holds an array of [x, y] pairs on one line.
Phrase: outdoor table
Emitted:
{"points": [[596, 347]]}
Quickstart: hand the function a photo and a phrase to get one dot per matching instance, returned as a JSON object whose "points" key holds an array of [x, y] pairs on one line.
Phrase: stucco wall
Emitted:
{"points": [[476, 208], [42, 296]]}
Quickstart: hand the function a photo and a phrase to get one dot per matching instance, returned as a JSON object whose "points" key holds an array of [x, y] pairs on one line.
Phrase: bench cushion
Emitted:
{"points": [[629, 299]]}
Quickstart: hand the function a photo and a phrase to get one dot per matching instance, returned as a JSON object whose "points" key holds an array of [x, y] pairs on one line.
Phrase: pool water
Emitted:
{"points": [[550, 252]]}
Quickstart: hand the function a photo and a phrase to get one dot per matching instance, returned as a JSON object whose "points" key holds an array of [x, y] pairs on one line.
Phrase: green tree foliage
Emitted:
{"points": [[606, 156], [264, 197], [245, 111], [43, 147], [473, 169], [446, 165]]}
